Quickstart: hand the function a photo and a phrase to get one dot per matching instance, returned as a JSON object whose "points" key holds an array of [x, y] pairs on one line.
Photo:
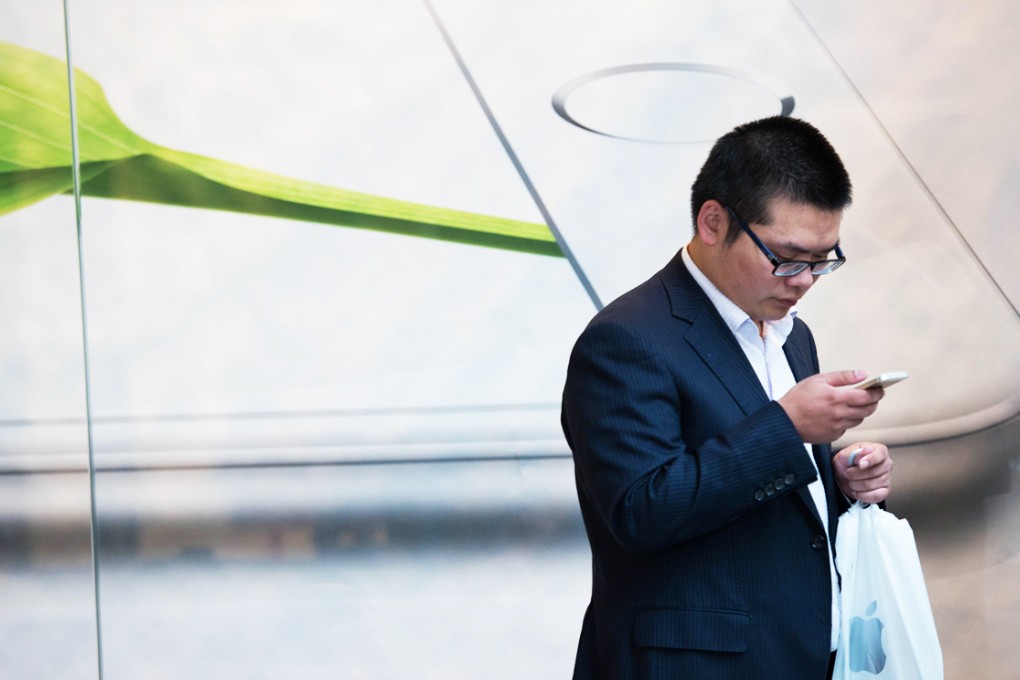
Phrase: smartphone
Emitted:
{"points": [[882, 380]]}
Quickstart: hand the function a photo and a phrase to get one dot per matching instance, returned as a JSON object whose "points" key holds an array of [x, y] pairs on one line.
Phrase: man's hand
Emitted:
{"points": [[870, 477], [822, 408]]}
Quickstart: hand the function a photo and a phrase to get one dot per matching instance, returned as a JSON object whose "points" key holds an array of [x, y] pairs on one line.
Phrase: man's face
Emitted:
{"points": [[797, 232]]}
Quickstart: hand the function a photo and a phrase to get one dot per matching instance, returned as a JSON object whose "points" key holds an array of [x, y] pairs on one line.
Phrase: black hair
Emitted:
{"points": [[778, 157]]}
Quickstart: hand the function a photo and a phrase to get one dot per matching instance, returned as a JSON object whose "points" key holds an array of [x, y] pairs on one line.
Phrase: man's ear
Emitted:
{"points": [[713, 223]]}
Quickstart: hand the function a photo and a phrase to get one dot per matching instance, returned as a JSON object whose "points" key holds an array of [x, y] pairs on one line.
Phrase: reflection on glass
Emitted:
{"points": [[48, 616]]}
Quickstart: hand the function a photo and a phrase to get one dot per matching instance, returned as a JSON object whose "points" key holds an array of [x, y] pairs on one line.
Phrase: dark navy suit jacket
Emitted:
{"points": [[708, 555]]}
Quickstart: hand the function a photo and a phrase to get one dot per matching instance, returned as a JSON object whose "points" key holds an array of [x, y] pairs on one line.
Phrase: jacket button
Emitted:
{"points": [[780, 484], [789, 479], [770, 490], [818, 542], [759, 495]]}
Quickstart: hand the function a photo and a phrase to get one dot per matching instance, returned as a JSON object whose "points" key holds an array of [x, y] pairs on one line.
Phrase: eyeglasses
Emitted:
{"points": [[790, 267]]}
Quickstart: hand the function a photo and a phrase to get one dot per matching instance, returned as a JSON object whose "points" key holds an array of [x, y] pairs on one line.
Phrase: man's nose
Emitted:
{"points": [[802, 280]]}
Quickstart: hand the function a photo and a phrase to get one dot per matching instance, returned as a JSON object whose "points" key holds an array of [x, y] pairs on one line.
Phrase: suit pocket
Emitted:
{"points": [[708, 630]]}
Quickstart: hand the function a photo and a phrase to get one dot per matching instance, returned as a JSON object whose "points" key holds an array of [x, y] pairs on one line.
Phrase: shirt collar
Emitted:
{"points": [[732, 315]]}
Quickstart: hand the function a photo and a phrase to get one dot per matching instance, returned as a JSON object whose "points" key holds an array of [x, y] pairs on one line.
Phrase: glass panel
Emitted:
{"points": [[930, 285], [904, 250], [433, 570], [48, 615], [932, 73], [307, 434], [329, 316]]}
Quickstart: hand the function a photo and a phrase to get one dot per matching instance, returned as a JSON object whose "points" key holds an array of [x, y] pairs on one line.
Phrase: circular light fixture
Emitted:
{"points": [[652, 105]]}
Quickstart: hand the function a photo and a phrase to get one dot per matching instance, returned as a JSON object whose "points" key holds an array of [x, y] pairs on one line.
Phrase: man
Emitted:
{"points": [[701, 432]]}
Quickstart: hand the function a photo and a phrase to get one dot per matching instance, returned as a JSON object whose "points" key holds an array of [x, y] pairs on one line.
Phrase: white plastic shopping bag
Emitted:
{"points": [[886, 629]]}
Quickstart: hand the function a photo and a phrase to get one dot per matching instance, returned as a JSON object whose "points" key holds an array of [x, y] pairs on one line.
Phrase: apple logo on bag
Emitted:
{"points": [[866, 653]]}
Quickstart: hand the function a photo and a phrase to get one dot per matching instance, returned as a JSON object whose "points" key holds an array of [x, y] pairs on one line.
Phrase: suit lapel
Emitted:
{"points": [[799, 352], [711, 338]]}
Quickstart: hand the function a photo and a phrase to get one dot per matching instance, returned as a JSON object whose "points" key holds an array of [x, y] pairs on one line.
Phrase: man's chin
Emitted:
{"points": [[778, 309]]}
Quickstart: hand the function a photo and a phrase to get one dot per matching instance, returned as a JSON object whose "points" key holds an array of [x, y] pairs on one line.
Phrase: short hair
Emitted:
{"points": [[777, 157]]}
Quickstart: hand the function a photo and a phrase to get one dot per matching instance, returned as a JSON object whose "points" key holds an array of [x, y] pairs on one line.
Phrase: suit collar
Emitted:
{"points": [[798, 353], [686, 299]]}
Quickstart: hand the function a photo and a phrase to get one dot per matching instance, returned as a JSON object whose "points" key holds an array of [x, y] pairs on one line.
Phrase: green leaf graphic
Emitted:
{"points": [[35, 153]]}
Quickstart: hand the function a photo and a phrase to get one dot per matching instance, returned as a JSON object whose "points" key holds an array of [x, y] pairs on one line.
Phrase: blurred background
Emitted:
{"points": [[276, 402]]}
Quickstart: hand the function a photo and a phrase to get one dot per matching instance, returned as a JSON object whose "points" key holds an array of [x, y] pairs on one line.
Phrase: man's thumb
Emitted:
{"points": [[840, 378]]}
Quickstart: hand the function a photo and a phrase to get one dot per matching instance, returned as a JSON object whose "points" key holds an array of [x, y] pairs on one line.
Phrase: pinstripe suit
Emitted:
{"points": [[708, 556]]}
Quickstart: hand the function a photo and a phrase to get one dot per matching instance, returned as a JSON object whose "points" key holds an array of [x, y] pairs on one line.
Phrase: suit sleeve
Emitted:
{"points": [[622, 415]]}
